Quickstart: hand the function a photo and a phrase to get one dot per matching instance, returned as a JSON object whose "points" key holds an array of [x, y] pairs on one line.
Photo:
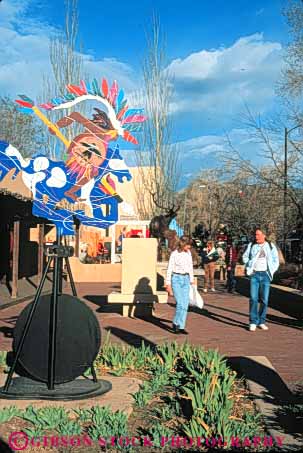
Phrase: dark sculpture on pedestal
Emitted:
{"points": [[159, 226]]}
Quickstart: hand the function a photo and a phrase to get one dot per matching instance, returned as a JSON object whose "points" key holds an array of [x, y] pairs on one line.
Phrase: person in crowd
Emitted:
{"points": [[100, 251], [180, 275], [120, 239], [262, 261], [231, 258], [209, 257], [83, 254]]}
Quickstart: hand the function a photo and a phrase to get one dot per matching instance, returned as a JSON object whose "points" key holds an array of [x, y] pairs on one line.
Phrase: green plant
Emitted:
{"points": [[169, 353], [84, 415], [144, 394], [106, 423], [143, 356], [249, 426], [158, 432], [46, 417], [3, 355], [7, 413], [34, 432], [70, 428], [164, 413], [117, 358]]}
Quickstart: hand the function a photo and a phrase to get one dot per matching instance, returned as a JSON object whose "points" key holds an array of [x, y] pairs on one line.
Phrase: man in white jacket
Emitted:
{"points": [[262, 261]]}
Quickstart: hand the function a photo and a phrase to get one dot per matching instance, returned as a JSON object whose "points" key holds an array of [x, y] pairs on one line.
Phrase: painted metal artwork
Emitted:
{"points": [[82, 186]]}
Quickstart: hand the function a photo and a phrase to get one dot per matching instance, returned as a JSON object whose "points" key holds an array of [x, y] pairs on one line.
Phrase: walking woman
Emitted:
{"points": [[180, 275], [209, 258]]}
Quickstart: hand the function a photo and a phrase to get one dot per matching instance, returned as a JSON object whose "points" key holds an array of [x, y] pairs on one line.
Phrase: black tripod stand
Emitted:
{"points": [[56, 254]]}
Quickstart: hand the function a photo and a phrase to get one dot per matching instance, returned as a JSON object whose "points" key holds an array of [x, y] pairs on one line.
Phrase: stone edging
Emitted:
{"points": [[270, 394]]}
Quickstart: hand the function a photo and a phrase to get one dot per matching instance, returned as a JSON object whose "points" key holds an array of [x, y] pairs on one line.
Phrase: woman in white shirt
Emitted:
{"points": [[180, 275]]}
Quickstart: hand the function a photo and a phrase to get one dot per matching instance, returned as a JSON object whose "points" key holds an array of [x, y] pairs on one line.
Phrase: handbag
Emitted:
{"points": [[195, 299]]}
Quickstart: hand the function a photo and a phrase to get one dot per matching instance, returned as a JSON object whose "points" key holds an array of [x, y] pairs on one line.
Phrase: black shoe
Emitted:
{"points": [[176, 328], [183, 332]]}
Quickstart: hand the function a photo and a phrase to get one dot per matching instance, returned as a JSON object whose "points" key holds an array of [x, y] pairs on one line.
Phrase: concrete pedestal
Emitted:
{"points": [[139, 278]]}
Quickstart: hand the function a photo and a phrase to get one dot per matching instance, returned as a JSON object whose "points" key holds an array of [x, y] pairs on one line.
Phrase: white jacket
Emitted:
{"points": [[251, 254]]}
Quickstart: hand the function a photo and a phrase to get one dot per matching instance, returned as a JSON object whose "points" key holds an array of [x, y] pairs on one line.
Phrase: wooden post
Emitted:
{"points": [[40, 250], [15, 272], [113, 246], [77, 240], [107, 214]]}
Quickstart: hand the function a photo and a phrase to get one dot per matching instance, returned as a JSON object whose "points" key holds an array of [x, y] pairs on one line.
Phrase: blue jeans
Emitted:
{"points": [[259, 286], [180, 286], [231, 280]]}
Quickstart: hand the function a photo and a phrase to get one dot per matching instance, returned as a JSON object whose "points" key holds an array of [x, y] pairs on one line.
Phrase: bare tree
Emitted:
{"points": [[268, 179], [159, 154], [22, 131], [292, 81], [216, 197], [67, 67], [290, 85]]}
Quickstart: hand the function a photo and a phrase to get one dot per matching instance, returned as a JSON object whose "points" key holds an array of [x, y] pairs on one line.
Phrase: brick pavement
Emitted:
{"points": [[222, 325]]}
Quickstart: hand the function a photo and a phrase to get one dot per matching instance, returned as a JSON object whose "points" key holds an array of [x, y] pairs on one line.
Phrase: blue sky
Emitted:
{"points": [[222, 54]]}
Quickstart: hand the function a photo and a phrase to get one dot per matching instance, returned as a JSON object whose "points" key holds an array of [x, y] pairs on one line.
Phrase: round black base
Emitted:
{"points": [[23, 388]]}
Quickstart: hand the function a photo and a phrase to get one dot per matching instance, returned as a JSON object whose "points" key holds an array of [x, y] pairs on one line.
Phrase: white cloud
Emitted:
{"points": [[211, 145], [12, 9], [201, 146], [222, 80], [203, 152], [24, 56]]}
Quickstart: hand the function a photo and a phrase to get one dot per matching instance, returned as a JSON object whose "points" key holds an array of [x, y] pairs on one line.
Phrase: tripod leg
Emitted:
{"points": [[27, 325], [53, 326], [60, 278], [94, 373], [70, 275]]}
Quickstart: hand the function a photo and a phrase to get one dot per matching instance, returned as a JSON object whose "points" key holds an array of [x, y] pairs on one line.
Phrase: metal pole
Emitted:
{"points": [[16, 253], [209, 192], [210, 218], [52, 338], [285, 192], [184, 210]]}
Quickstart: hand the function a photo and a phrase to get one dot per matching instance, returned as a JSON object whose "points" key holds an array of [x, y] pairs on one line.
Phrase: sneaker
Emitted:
{"points": [[263, 326], [205, 290], [252, 327], [213, 290]]}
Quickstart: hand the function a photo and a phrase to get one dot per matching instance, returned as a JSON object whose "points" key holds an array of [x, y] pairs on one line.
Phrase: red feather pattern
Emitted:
{"points": [[134, 119], [129, 138], [75, 90], [121, 113], [113, 93], [46, 106], [24, 104], [105, 88], [83, 87]]}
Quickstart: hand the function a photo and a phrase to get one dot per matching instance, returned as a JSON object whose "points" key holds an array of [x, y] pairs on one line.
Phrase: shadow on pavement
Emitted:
{"points": [[159, 322], [102, 304], [272, 319], [272, 390], [218, 317], [129, 337]]}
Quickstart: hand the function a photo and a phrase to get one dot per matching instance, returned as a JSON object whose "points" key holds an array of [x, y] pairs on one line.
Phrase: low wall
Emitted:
{"points": [[286, 300], [95, 273]]}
